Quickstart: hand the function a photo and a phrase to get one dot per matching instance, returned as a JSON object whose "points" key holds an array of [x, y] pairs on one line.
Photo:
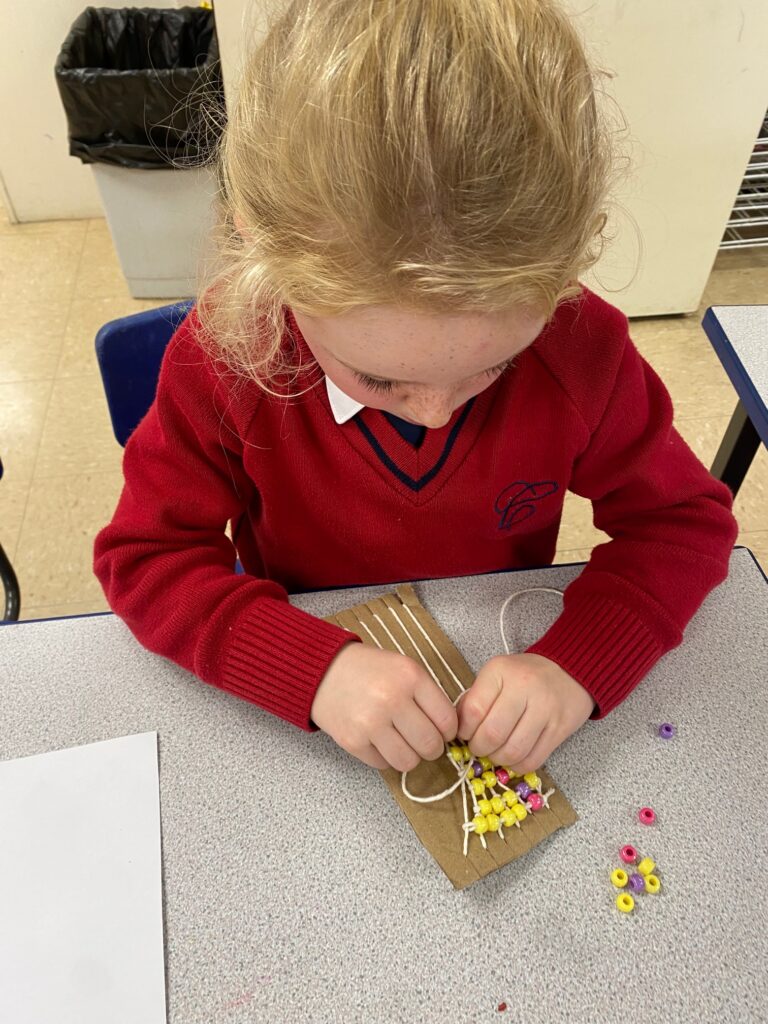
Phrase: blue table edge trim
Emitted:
{"points": [[733, 366]]}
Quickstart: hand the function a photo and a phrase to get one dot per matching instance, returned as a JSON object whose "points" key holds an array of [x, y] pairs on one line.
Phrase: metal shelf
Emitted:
{"points": [[748, 224]]}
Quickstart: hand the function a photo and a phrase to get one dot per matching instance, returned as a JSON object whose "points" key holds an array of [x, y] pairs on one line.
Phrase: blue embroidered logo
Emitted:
{"points": [[516, 503]]}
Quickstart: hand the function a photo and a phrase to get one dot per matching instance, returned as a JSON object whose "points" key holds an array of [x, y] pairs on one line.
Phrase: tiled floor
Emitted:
{"points": [[60, 281]]}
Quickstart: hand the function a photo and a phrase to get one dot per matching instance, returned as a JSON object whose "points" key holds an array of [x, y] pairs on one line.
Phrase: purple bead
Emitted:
{"points": [[477, 769], [666, 731], [523, 790], [636, 883]]}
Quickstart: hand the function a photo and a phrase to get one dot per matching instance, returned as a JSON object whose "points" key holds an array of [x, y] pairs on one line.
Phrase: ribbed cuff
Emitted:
{"points": [[604, 646], [277, 656]]}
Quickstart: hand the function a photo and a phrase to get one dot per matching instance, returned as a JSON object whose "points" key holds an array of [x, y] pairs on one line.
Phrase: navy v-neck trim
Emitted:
{"points": [[415, 484]]}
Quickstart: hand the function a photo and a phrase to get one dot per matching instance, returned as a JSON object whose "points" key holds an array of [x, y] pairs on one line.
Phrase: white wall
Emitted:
{"points": [[692, 80], [40, 180]]}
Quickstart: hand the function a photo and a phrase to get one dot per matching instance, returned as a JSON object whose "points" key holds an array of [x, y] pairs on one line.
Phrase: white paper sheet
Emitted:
{"points": [[81, 919]]}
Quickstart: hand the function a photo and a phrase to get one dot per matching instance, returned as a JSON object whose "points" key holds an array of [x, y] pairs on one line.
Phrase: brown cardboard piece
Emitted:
{"points": [[439, 825]]}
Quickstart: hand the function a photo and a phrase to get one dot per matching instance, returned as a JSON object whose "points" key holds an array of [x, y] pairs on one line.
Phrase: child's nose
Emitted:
{"points": [[431, 408]]}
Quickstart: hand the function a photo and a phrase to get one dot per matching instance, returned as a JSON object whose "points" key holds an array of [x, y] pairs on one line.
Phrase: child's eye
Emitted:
{"points": [[374, 383]]}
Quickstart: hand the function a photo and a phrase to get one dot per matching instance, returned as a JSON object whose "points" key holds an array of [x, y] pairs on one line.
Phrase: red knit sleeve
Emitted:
{"points": [[167, 566], [672, 533]]}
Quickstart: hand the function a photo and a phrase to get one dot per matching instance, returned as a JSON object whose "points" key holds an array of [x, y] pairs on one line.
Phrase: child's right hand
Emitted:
{"points": [[383, 708]]}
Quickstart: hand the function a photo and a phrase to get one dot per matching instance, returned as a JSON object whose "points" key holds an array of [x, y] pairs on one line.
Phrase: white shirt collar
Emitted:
{"points": [[343, 407]]}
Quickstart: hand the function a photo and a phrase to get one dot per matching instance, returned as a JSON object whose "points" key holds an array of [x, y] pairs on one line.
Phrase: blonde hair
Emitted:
{"points": [[435, 154]]}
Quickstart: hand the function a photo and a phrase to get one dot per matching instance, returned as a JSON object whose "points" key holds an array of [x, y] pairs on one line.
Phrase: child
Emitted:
{"points": [[393, 374]]}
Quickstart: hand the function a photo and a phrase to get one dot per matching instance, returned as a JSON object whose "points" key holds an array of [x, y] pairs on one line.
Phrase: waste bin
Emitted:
{"points": [[139, 86]]}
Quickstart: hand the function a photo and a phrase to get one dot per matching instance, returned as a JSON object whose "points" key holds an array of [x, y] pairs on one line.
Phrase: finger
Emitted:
{"points": [[477, 703], [369, 755], [438, 709], [419, 732], [517, 749], [393, 748], [499, 723], [538, 754]]}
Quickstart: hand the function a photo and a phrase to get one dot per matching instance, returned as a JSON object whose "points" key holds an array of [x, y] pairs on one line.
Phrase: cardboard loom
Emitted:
{"points": [[439, 825]]}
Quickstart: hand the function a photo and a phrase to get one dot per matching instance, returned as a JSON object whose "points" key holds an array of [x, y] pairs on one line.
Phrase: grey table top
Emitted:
{"points": [[296, 891], [739, 336]]}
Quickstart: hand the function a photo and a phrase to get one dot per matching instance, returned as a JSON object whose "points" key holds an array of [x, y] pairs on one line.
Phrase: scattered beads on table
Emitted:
{"points": [[636, 882], [666, 731], [646, 866], [619, 878], [646, 815], [652, 884], [625, 903], [628, 854]]}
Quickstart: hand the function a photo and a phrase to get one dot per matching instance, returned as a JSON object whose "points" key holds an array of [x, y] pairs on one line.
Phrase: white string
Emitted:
{"points": [[514, 597], [428, 638]]}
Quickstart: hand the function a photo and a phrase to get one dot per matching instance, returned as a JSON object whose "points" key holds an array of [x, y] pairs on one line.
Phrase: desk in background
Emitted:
{"points": [[739, 336], [296, 891]]}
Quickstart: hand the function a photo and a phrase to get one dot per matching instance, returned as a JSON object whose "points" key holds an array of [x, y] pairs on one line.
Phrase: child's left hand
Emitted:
{"points": [[519, 709]]}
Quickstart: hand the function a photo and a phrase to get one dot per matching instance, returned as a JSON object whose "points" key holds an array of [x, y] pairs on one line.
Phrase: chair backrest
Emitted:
{"points": [[129, 351]]}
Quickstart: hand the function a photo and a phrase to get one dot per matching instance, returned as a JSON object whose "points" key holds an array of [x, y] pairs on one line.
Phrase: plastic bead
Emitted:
{"points": [[477, 769], [486, 762], [628, 854], [508, 817], [535, 801], [489, 778], [646, 866], [647, 816], [523, 790], [619, 878], [520, 812], [484, 806], [466, 753], [532, 779], [652, 884], [625, 903], [510, 798], [502, 775], [497, 805], [666, 731], [456, 753], [478, 786], [493, 821], [480, 824], [636, 882], [508, 770]]}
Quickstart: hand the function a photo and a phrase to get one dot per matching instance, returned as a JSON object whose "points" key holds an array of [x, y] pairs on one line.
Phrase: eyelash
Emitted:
{"points": [[386, 386]]}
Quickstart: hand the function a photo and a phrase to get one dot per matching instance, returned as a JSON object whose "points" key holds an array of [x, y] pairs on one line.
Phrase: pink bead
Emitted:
{"points": [[647, 816], [535, 801], [628, 854], [502, 775]]}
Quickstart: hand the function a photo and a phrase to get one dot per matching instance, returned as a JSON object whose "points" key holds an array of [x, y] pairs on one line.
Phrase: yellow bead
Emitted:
{"points": [[652, 884], [508, 817], [481, 825], [497, 804], [457, 754], [466, 753], [625, 903], [520, 812], [493, 822], [619, 878], [485, 806], [646, 866], [510, 798], [478, 786], [489, 778], [486, 762], [532, 779]]}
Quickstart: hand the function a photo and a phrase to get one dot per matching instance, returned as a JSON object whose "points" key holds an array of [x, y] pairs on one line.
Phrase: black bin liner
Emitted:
{"points": [[133, 81]]}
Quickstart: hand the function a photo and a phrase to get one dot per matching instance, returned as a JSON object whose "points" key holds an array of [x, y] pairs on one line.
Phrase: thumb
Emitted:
{"points": [[477, 702]]}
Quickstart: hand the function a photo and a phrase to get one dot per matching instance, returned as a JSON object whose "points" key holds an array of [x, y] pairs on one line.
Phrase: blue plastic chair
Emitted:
{"points": [[12, 602], [129, 351]]}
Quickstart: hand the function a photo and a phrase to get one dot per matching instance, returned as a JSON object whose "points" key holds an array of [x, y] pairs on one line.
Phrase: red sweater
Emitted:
{"points": [[316, 504]]}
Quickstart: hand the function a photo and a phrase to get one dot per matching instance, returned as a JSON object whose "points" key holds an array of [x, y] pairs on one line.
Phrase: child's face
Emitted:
{"points": [[418, 366]]}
